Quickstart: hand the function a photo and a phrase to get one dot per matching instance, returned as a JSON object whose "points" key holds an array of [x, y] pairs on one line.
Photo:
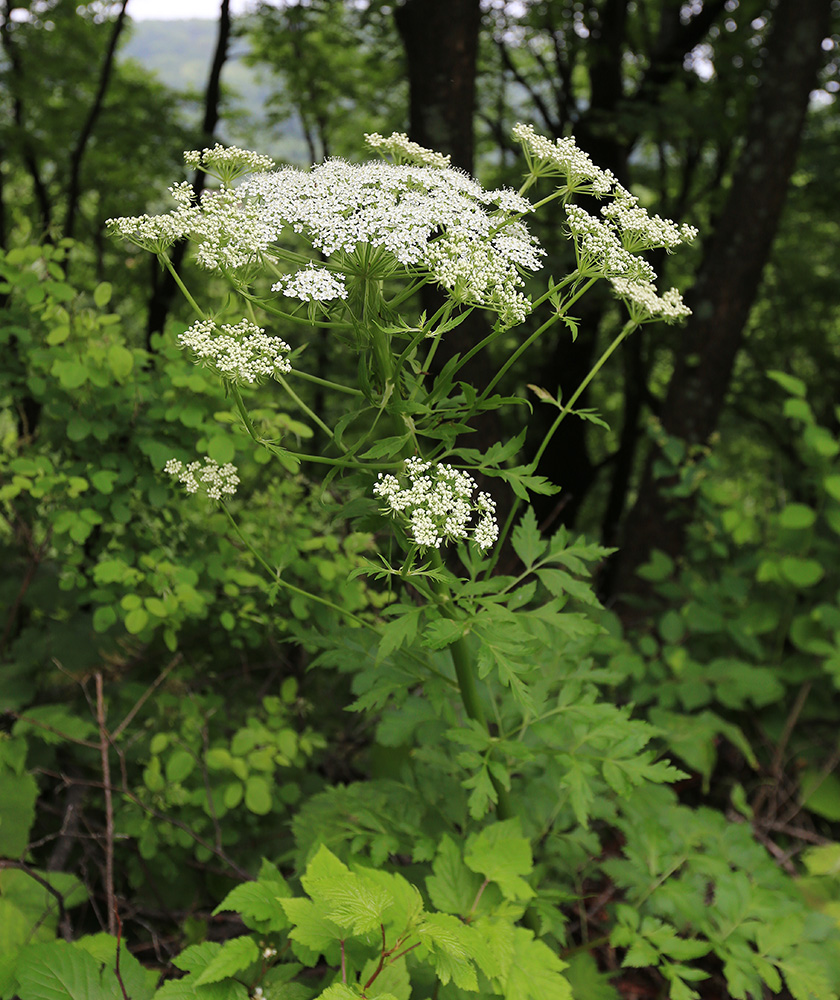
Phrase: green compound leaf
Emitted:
{"points": [[502, 855]]}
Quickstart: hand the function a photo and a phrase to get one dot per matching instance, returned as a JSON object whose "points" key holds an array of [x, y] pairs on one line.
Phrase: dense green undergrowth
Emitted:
{"points": [[240, 762]]}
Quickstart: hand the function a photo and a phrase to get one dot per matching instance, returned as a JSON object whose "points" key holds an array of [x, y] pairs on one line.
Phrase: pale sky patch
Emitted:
{"points": [[181, 10]]}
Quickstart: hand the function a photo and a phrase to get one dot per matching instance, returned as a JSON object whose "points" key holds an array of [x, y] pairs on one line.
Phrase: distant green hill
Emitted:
{"points": [[179, 54]]}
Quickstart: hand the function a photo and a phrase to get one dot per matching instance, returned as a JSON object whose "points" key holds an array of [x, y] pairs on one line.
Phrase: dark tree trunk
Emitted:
{"points": [[441, 44], [730, 274], [163, 285]]}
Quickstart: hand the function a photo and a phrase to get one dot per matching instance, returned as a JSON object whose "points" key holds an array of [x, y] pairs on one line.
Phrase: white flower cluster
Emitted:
{"points": [[404, 150], [563, 158], [641, 231], [211, 478], [437, 501], [242, 352], [644, 302], [227, 163], [430, 218], [312, 284], [420, 216], [602, 250]]}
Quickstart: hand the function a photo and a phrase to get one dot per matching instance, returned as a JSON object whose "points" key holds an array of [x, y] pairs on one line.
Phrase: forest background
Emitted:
{"points": [[163, 735]]}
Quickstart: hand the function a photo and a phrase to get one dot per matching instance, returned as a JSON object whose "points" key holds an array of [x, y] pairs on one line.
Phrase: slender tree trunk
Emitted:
{"points": [[730, 275], [75, 165], [163, 286]]}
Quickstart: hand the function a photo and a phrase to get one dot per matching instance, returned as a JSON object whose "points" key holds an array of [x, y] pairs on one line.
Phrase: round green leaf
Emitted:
{"points": [[232, 795], [671, 627], [257, 795], [801, 572], [797, 517], [102, 294], [104, 618], [221, 448], [179, 765], [120, 361], [136, 620]]}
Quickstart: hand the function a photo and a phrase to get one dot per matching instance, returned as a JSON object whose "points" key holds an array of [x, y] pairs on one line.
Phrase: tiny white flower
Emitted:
{"points": [[240, 352], [210, 478], [312, 284], [436, 501]]}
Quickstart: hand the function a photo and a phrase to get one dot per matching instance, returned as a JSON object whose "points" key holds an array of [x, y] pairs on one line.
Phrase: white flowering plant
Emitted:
{"points": [[480, 680]]}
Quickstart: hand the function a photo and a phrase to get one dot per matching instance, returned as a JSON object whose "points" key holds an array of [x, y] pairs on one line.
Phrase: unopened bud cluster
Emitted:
{"points": [[436, 503]]}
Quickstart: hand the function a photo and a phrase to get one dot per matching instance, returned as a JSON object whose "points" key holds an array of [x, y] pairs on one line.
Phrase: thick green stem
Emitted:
{"points": [[465, 674]]}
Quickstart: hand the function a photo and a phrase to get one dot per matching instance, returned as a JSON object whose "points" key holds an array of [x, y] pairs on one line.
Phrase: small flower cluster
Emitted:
{"points": [[605, 248], [213, 479], [242, 352], [312, 284], [437, 502], [641, 231], [600, 251], [403, 150], [645, 303], [227, 163], [562, 158]]}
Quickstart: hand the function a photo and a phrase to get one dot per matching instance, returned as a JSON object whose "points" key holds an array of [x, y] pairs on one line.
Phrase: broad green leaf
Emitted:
{"points": [[139, 982], [502, 855], [18, 793], [312, 930], [535, 972], [136, 620], [823, 860], [820, 793], [120, 361], [791, 384], [658, 568], [349, 899], [58, 971], [102, 294], [449, 943], [179, 765], [234, 956], [453, 888]]}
